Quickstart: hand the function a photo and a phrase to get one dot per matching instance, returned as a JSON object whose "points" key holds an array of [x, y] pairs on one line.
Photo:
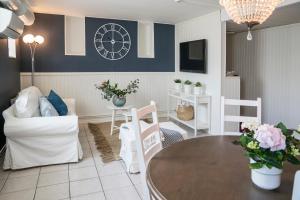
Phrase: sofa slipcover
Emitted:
{"points": [[41, 141]]}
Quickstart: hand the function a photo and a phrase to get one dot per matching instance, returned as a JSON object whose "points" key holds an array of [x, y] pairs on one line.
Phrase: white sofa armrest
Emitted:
{"points": [[41, 126]]}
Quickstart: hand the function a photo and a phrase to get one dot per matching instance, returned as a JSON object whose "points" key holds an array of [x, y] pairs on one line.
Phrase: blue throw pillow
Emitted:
{"points": [[58, 103]]}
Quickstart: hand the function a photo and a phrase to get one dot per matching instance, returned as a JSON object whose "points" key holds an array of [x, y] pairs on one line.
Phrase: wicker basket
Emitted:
{"points": [[185, 112]]}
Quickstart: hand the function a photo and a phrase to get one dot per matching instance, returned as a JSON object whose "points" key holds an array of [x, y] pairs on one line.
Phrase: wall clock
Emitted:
{"points": [[112, 41]]}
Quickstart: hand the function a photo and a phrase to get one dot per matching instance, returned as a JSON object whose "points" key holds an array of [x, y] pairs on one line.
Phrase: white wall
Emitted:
{"points": [[269, 67], [204, 27], [89, 104]]}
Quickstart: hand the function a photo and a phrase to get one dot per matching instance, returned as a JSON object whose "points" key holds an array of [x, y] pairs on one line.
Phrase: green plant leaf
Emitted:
{"points": [[279, 155], [256, 165], [293, 159], [273, 162], [281, 126], [284, 129], [243, 140]]}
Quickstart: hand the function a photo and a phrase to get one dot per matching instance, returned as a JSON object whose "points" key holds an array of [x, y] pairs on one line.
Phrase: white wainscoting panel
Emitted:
{"points": [[153, 86], [269, 67]]}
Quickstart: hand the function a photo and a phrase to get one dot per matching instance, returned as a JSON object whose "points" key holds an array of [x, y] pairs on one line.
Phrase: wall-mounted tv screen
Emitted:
{"points": [[193, 56]]}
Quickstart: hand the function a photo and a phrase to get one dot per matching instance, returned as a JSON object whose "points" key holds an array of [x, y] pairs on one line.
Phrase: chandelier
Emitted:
{"points": [[249, 12]]}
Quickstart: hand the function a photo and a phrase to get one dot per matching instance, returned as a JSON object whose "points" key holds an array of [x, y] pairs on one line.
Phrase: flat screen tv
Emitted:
{"points": [[193, 56]]}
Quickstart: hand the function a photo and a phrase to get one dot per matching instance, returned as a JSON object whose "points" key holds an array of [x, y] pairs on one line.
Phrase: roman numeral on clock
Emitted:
{"points": [[105, 29], [112, 27]]}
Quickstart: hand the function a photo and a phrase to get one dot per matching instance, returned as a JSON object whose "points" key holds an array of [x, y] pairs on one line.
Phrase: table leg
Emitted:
{"points": [[112, 122]]}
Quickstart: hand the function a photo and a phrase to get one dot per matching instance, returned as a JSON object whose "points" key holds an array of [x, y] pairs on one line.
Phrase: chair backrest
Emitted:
{"points": [[148, 139], [237, 102], [296, 190]]}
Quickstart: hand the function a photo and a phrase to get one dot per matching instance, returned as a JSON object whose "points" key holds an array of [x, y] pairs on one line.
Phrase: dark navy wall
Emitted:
{"points": [[50, 56], [9, 81]]}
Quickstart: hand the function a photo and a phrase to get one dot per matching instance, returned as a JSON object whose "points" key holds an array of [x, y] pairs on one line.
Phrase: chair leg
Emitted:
{"points": [[112, 122]]}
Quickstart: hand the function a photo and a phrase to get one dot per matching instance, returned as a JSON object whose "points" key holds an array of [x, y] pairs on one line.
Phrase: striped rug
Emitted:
{"points": [[108, 145]]}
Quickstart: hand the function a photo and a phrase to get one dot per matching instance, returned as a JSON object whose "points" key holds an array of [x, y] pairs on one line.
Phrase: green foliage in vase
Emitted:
{"points": [[108, 89], [198, 84], [188, 82], [177, 80], [269, 145]]}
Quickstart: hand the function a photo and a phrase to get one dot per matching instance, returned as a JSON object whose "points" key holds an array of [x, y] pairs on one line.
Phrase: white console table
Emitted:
{"points": [[196, 101]]}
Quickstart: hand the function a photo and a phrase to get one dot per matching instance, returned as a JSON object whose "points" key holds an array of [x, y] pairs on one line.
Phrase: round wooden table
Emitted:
{"points": [[210, 168]]}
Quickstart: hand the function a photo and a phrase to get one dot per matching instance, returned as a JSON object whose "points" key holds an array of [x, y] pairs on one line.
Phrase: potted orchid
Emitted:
{"points": [[268, 147]]}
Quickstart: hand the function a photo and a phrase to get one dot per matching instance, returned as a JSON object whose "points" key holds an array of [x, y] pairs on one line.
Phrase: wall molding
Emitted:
{"points": [[90, 73]]}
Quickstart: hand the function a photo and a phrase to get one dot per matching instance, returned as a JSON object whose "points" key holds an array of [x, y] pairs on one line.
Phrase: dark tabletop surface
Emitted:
{"points": [[210, 168]]}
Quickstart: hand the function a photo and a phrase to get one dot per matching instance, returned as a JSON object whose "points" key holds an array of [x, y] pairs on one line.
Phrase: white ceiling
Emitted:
{"points": [[163, 11]]}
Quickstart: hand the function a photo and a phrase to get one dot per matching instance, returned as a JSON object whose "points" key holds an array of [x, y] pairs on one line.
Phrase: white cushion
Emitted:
{"points": [[27, 103], [46, 108]]}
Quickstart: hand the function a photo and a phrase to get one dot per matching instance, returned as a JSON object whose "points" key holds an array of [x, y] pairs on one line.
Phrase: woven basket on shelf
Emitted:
{"points": [[185, 112]]}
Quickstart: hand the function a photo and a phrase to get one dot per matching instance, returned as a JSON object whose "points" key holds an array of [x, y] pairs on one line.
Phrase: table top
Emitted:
{"points": [[209, 168], [113, 107]]}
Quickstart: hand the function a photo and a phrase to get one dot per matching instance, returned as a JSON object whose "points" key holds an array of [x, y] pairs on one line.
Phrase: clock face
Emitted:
{"points": [[112, 41]]}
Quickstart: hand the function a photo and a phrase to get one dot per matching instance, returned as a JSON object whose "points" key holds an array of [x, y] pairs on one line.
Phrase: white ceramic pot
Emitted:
{"points": [[197, 90], [188, 89], [178, 86], [265, 178]]}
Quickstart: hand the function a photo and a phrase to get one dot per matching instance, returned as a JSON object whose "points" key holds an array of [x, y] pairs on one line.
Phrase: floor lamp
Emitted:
{"points": [[32, 42]]}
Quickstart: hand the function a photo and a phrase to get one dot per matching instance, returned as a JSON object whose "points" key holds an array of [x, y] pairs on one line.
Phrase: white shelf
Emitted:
{"points": [[191, 123], [197, 101], [187, 99]]}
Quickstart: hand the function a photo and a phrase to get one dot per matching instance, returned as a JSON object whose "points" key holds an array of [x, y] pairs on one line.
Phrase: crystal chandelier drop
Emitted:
{"points": [[249, 12]]}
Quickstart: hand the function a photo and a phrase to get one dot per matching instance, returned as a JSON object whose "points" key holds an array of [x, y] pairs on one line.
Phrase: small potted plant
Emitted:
{"points": [[187, 87], [268, 147], [178, 84], [197, 88], [111, 91]]}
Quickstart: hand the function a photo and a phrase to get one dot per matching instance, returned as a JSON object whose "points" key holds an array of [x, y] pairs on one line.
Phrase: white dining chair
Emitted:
{"points": [[148, 140], [296, 189], [239, 119]]}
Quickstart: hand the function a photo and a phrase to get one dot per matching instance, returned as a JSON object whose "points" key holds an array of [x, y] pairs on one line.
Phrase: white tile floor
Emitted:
{"points": [[89, 179]]}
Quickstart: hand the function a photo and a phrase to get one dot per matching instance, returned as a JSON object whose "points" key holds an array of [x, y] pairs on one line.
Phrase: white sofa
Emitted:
{"points": [[41, 141]]}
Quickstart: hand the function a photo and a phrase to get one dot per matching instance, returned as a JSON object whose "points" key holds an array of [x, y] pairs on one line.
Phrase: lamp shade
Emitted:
{"points": [[39, 39], [28, 39]]}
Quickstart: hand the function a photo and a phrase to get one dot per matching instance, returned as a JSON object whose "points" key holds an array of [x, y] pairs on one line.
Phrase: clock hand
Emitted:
{"points": [[112, 48]]}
